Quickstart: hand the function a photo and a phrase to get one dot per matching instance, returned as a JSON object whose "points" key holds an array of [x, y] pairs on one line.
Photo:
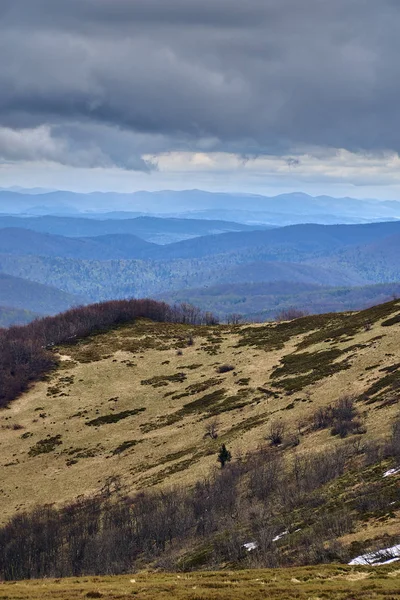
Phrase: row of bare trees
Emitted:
{"points": [[281, 505], [25, 351]]}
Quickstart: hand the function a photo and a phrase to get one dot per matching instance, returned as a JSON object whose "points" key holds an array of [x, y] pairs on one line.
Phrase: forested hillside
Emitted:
{"points": [[15, 316], [117, 266], [294, 243], [25, 295], [265, 301], [24, 242], [378, 261]]}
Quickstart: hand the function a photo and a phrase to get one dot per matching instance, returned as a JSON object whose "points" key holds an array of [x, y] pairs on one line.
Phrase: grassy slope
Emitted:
{"points": [[160, 402], [333, 582]]}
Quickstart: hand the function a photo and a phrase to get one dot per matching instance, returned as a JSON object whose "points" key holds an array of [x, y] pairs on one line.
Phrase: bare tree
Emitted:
{"points": [[211, 429], [289, 314], [234, 318], [276, 433]]}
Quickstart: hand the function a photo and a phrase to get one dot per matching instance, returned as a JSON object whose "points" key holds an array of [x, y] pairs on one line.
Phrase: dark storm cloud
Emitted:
{"points": [[119, 78]]}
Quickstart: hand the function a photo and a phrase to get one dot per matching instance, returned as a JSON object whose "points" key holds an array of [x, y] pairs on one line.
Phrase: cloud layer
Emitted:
{"points": [[105, 82]]}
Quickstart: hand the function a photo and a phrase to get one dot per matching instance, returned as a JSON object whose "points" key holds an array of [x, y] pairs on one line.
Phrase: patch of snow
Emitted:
{"points": [[395, 471], [250, 546], [387, 562], [280, 535], [381, 557]]}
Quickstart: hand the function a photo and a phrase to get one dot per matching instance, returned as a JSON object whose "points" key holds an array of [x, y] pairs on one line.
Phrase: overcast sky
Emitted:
{"points": [[256, 95]]}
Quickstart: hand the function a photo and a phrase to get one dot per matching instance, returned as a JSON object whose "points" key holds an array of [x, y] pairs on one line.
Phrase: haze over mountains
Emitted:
{"points": [[37, 298], [151, 228], [283, 209], [254, 268]]}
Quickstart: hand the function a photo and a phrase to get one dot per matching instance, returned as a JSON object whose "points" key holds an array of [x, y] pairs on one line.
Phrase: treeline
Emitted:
{"points": [[260, 302], [287, 509], [25, 351]]}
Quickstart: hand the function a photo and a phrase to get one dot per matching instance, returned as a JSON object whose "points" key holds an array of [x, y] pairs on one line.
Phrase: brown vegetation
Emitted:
{"points": [[290, 508], [333, 582], [343, 417], [333, 504], [289, 314], [25, 352], [225, 368]]}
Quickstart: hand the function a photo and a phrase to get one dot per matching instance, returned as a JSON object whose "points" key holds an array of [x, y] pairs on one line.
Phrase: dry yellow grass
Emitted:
{"points": [[104, 376], [311, 583], [372, 529]]}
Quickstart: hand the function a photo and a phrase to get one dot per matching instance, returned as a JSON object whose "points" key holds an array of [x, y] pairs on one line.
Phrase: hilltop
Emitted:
{"points": [[146, 405]]}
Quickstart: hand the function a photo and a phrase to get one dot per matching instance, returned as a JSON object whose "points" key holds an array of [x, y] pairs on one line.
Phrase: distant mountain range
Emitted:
{"points": [[283, 209], [155, 229], [294, 243], [20, 241], [103, 259], [376, 261], [128, 239]]}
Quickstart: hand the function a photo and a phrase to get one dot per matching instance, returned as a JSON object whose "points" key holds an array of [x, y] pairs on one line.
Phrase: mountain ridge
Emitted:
{"points": [[187, 200], [21, 294]]}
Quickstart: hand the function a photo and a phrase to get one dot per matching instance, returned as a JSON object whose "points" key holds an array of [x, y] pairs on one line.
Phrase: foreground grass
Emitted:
{"points": [[309, 583]]}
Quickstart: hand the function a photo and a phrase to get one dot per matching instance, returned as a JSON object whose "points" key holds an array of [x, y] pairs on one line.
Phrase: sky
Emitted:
{"points": [[263, 96]]}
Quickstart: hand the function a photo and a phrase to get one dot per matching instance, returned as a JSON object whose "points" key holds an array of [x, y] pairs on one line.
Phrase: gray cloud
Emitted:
{"points": [[116, 79]]}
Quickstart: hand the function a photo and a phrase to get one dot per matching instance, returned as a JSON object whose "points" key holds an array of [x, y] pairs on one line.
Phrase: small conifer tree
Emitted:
{"points": [[224, 456]]}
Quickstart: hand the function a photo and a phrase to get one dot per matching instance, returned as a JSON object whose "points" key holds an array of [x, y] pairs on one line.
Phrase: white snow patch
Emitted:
{"points": [[381, 557], [394, 471], [250, 546], [280, 536]]}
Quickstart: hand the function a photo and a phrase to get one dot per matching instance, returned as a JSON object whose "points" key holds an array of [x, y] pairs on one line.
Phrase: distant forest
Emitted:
{"points": [[317, 268]]}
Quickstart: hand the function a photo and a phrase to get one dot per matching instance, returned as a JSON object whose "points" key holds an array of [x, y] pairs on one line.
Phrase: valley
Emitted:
{"points": [[335, 261]]}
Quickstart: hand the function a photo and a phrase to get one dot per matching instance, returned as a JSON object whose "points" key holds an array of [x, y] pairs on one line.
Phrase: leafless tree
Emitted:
{"points": [[234, 319], [289, 314], [276, 433], [211, 428]]}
